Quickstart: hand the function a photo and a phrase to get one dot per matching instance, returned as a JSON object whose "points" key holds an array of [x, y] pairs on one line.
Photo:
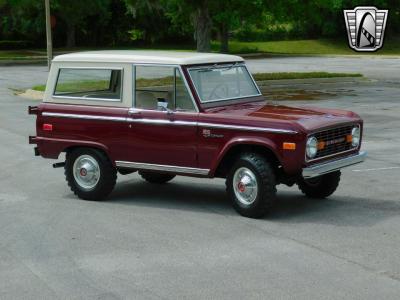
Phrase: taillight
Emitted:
{"points": [[47, 127]]}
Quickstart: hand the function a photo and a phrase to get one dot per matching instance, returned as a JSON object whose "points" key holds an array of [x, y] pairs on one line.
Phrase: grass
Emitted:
{"points": [[40, 88], [301, 75], [146, 82], [298, 47], [20, 54], [77, 86], [99, 85], [308, 47], [102, 85]]}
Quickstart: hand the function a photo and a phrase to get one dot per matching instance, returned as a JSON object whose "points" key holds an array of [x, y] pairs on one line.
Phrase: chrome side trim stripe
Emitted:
{"points": [[156, 167], [86, 117], [248, 128], [161, 122], [168, 122]]}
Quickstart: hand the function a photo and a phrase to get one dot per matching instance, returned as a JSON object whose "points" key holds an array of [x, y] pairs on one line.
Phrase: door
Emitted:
{"points": [[163, 121]]}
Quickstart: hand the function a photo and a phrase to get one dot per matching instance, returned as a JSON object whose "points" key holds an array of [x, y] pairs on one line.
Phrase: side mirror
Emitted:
{"points": [[162, 104]]}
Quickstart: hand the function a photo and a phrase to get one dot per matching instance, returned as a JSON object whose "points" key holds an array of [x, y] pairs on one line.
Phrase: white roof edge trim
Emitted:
{"points": [[150, 57]]}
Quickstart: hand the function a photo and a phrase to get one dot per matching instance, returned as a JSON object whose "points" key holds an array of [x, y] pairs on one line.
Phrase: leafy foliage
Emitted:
{"points": [[177, 22]]}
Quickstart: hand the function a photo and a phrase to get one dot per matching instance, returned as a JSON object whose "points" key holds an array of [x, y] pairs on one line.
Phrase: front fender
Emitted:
{"points": [[245, 140]]}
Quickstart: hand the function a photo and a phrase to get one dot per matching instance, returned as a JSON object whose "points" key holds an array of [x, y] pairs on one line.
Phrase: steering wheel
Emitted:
{"points": [[214, 93]]}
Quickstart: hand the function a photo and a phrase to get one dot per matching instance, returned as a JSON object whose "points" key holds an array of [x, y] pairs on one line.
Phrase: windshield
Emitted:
{"points": [[223, 82]]}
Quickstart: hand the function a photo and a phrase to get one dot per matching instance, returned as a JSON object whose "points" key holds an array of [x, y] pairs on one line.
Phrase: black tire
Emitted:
{"points": [[154, 177], [125, 171], [266, 185], [320, 187], [107, 177]]}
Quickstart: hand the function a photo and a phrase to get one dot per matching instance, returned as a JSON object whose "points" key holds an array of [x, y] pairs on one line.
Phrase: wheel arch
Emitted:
{"points": [[235, 147], [95, 146]]}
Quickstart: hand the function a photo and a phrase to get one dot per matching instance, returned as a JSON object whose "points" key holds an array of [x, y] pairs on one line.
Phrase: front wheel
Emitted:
{"points": [[90, 174], [321, 186], [251, 185]]}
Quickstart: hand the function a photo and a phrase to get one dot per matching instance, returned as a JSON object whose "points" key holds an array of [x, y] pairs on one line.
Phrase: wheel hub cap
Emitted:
{"points": [[241, 187], [83, 172], [86, 172], [245, 186]]}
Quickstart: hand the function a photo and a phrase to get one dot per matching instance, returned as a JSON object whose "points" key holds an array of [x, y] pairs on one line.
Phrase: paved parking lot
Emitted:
{"points": [[183, 240]]}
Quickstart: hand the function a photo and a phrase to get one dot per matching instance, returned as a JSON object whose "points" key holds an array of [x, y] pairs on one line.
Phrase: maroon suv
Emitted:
{"points": [[174, 113]]}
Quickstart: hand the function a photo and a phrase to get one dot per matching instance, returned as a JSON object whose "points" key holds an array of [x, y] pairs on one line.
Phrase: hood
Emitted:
{"points": [[307, 118]]}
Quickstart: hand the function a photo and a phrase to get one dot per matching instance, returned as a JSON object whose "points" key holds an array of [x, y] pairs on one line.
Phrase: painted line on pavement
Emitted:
{"points": [[376, 169]]}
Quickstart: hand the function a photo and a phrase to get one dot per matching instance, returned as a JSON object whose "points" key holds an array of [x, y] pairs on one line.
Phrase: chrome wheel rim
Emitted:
{"points": [[245, 185], [86, 172]]}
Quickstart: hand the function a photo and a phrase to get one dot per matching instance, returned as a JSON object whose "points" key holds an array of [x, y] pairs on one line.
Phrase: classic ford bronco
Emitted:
{"points": [[174, 113]]}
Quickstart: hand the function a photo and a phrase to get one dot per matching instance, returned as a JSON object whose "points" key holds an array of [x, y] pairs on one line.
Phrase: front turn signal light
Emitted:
{"points": [[289, 146], [349, 138]]}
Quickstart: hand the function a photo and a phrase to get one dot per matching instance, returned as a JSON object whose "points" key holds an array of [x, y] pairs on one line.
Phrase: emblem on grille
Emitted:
{"points": [[365, 27], [335, 141]]}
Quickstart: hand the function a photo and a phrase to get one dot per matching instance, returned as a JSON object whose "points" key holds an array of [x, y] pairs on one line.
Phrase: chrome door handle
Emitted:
{"points": [[132, 111]]}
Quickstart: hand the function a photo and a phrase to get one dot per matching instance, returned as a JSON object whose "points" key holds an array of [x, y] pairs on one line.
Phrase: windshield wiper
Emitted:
{"points": [[216, 66], [230, 67]]}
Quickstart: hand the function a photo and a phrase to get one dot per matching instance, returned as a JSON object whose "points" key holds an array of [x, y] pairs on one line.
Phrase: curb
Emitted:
{"points": [[312, 81], [261, 55], [31, 94]]}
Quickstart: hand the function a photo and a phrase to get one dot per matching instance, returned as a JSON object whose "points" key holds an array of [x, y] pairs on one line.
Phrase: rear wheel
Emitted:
{"points": [[154, 177], [251, 185], [90, 174], [321, 186]]}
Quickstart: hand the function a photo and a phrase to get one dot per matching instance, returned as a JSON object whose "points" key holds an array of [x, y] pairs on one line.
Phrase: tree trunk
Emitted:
{"points": [[224, 38], [71, 35], [203, 27]]}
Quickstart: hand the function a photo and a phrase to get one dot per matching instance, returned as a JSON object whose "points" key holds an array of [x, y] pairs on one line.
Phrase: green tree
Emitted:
{"points": [[220, 16], [21, 19], [150, 13], [150, 21], [75, 12], [230, 15]]}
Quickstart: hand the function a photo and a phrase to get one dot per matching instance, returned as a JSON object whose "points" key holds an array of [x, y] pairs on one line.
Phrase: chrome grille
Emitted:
{"points": [[335, 141]]}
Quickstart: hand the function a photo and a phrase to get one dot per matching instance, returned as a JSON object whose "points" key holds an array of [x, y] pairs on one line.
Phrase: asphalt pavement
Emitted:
{"points": [[183, 240]]}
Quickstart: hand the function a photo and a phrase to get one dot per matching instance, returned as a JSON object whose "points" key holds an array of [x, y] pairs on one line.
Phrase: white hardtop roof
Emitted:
{"points": [[148, 56]]}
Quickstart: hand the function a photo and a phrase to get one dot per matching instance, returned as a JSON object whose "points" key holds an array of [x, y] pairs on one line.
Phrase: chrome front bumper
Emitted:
{"points": [[333, 165]]}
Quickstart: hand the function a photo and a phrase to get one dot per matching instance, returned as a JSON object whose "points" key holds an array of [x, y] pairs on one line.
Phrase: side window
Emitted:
{"points": [[157, 84], [90, 84]]}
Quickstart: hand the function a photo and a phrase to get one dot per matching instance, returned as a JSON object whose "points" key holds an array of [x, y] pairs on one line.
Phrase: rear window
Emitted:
{"points": [[89, 84]]}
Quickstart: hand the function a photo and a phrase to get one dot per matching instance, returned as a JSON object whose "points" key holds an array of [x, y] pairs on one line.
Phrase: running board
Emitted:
{"points": [[164, 168]]}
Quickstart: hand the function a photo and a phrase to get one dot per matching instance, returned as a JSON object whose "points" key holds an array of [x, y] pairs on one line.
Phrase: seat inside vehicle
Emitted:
{"points": [[148, 99]]}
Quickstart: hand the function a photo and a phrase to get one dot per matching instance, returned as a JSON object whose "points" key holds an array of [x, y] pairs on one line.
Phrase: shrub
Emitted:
{"points": [[14, 45]]}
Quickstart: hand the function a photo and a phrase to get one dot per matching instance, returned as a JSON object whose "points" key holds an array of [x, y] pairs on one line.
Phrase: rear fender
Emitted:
{"points": [[52, 147]]}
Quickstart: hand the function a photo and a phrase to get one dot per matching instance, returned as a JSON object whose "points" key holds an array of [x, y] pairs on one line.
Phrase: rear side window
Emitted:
{"points": [[89, 84]]}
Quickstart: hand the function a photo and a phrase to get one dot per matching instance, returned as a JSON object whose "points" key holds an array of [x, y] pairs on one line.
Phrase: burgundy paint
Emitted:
{"points": [[186, 145]]}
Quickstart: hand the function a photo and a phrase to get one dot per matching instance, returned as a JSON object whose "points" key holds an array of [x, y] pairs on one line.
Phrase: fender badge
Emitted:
{"points": [[208, 134]]}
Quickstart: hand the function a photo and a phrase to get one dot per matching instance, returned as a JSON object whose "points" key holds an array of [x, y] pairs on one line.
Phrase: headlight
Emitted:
{"points": [[355, 136], [311, 147]]}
